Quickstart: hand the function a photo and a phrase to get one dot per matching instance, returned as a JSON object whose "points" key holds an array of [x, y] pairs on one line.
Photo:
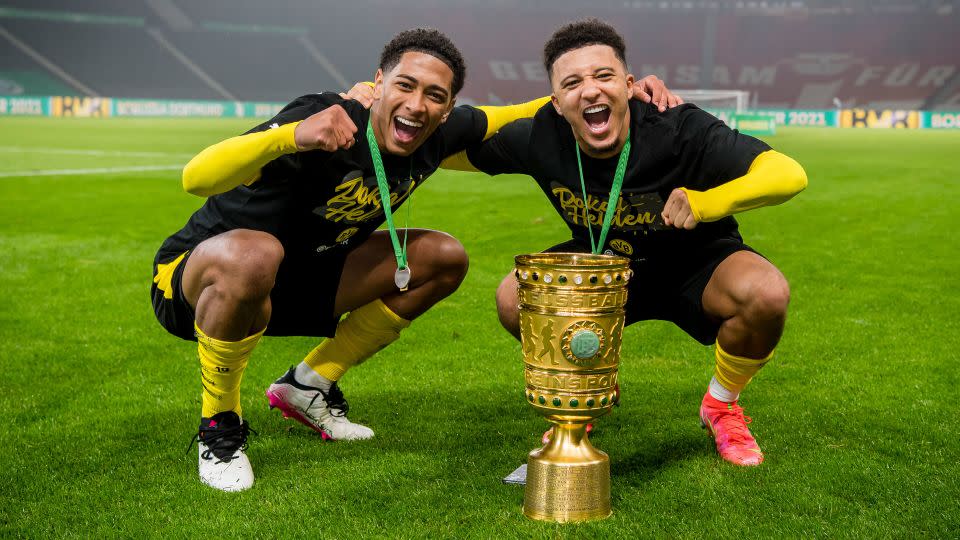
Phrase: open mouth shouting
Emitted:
{"points": [[406, 130], [597, 118]]}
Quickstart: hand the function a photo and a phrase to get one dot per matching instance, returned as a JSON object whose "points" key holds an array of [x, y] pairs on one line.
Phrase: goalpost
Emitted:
{"points": [[714, 100], [731, 106]]}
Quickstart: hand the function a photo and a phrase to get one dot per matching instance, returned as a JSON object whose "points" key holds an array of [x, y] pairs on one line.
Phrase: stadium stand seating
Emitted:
{"points": [[98, 7], [857, 53], [291, 13], [256, 66], [21, 75], [113, 60], [510, 68], [876, 60]]}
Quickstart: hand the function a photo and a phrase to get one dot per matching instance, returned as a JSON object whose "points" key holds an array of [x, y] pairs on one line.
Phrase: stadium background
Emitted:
{"points": [[857, 414], [888, 55]]}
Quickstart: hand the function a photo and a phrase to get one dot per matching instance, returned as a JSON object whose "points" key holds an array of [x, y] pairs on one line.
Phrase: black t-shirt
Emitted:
{"points": [[317, 201], [682, 147]]}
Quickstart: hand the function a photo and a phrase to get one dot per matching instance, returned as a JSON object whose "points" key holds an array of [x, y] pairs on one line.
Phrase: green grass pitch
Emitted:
{"points": [[857, 414]]}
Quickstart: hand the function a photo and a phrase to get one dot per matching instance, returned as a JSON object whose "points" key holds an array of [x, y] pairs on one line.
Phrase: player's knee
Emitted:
{"points": [[449, 261], [770, 300], [250, 263]]}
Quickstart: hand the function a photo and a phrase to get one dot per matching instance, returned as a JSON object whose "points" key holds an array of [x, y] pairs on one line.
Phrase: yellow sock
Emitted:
{"points": [[221, 369], [734, 372], [360, 334]]}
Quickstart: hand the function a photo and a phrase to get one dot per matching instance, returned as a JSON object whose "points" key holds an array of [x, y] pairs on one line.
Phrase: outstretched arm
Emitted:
{"points": [[772, 178], [649, 89], [238, 160]]}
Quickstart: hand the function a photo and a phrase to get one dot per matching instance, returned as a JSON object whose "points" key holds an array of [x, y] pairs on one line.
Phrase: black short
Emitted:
{"points": [[302, 298], [670, 288]]}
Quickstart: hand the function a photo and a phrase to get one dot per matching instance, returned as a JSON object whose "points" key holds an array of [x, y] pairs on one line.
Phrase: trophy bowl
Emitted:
{"points": [[571, 325]]}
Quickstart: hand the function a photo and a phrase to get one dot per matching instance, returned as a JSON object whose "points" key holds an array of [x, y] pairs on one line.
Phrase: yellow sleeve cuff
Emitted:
{"points": [[237, 160], [772, 178]]}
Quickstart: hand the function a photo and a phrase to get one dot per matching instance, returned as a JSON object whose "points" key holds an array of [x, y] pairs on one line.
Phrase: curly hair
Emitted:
{"points": [[427, 41], [579, 34]]}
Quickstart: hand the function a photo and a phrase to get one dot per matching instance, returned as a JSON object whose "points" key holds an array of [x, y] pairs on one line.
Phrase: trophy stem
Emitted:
{"points": [[568, 479]]}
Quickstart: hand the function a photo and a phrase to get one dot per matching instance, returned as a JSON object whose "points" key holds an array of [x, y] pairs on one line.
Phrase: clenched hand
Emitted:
{"points": [[330, 130], [677, 212]]}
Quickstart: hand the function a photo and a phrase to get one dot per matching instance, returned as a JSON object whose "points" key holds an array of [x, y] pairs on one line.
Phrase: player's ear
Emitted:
{"points": [[556, 103], [630, 80], [453, 103], [378, 84]]}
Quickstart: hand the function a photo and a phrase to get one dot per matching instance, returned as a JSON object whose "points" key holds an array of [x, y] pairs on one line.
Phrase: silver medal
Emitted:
{"points": [[402, 278]]}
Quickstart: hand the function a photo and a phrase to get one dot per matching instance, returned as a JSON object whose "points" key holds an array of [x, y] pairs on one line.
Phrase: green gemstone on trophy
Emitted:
{"points": [[542, 400], [556, 402], [590, 402], [603, 401], [584, 344], [574, 403]]}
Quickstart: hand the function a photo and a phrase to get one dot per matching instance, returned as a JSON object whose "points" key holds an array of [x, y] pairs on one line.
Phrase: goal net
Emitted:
{"points": [[714, 100]]}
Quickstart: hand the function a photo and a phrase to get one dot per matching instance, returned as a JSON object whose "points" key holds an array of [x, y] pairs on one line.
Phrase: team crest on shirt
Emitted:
{"points": [[356, 199], [622, 246]]}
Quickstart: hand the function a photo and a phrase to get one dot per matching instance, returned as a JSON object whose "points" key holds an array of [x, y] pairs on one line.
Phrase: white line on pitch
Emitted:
{"points": [[101, 170], [78, 152]]}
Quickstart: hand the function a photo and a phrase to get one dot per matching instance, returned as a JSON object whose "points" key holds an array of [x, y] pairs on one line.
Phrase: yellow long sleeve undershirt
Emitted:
{"points": [[771, 179], [501, 115], [237, 160], [497, 117]]}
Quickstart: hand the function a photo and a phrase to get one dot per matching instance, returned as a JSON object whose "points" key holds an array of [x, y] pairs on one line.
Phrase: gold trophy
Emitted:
{"points": [[571, 323]]}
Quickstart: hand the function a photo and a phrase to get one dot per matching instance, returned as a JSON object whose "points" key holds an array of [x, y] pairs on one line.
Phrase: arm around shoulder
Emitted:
{"points": [[499, 116]]}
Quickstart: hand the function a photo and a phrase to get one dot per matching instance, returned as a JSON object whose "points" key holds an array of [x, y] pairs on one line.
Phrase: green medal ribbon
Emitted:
{"points": [[402, 275], [614, 199]]}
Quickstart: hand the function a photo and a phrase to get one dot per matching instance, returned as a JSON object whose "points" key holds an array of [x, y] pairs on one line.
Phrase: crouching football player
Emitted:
{"points": [[287, 241], [675, 179]]}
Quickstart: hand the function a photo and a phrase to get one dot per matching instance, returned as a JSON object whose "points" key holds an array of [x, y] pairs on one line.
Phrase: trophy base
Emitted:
{"points": [[568, 479]]}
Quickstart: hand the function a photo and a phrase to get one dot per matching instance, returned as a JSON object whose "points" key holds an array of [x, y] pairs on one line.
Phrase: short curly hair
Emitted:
{"points": [[579, 34], [427, 41]]}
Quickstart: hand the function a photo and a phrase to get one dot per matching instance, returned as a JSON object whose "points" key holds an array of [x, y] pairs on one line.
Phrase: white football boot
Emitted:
{"points": [[222, 442], [324, 412]]}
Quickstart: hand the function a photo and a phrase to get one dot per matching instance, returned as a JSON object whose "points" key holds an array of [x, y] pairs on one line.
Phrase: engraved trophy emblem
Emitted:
{"points": [[571, 323]]}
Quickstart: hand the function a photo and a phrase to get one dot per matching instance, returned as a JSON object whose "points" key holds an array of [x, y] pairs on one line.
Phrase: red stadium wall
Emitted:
{"points": [[503, 48], [891, 60], [864, 60]]}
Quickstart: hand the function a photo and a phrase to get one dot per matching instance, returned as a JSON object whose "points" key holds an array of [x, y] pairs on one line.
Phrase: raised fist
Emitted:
{"points": [[330, 129]]}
